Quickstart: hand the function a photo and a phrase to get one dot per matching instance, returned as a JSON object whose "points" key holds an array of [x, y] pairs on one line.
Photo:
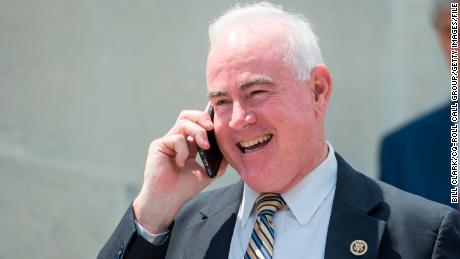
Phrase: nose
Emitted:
{"points": [[241, 117]]}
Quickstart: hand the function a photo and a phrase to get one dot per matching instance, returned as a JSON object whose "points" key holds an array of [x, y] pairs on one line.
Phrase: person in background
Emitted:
{"points": [[297, 198], [416, 157]]}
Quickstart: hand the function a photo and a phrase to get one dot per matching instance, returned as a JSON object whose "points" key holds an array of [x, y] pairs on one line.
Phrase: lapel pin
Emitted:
{"points": [[358, 247]]}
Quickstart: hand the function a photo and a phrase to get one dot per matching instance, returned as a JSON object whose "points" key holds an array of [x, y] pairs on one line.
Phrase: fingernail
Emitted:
{"points": [[206, 143]]}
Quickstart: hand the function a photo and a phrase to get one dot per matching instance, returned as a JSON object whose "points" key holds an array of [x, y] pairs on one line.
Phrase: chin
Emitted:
{"points": [[262, 182]]}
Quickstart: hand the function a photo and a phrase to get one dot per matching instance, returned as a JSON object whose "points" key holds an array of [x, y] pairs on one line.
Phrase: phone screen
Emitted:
{"points": [[212, 157]]}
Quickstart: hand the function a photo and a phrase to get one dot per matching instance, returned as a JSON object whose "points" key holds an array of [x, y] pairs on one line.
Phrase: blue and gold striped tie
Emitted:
{"points": [[262, 238]]}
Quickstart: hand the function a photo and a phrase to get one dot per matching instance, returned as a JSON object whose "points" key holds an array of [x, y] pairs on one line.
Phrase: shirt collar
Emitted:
{"points": [[304, 198]]}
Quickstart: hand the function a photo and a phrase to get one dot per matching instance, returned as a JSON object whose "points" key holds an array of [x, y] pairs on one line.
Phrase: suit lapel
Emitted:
{"points": [[354, 199], [213, 229]]}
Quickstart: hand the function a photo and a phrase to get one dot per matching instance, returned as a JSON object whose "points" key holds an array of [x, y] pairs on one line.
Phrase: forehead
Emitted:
{"points": [[258, 33], [257, 49]]}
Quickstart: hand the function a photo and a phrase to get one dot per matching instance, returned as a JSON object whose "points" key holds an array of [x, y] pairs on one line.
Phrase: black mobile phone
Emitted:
{"points": [[212, 157]]}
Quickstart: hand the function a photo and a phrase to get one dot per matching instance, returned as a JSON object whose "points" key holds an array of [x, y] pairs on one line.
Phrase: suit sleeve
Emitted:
{"points": [[127, 244], [448, 240]]}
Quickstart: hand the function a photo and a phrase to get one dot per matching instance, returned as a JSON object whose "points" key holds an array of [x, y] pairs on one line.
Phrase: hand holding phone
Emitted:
{"points": [[172, 175]]}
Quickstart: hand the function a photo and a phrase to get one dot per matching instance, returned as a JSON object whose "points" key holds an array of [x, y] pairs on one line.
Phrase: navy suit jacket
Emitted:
{"points": [[393, 223], [416, 158]]}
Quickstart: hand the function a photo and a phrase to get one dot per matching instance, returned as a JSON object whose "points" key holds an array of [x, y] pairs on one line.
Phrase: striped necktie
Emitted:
{"points": [[262, 238]]}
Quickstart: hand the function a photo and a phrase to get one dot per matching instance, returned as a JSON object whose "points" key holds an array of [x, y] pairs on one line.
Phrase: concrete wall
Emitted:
{"points": [[86, 85]]}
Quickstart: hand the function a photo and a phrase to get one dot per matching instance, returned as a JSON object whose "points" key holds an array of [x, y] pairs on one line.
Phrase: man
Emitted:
{"points": [[416, 158], [297, 198]]}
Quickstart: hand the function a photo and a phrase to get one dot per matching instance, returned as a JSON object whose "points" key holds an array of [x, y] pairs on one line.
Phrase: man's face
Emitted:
{"points": [[443, 30], [268, 124]]}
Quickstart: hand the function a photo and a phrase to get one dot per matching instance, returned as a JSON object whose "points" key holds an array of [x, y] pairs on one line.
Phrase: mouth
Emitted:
{"points": [[255, 143]]}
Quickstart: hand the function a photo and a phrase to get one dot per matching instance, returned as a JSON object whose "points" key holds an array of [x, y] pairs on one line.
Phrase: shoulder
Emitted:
{"points": [[387, 203], [413, 222], [410, 212], [417, 226]]}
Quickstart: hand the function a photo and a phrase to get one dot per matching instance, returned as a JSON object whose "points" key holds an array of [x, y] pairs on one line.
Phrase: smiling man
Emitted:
{"points": [[265, 115], [297, 198]]}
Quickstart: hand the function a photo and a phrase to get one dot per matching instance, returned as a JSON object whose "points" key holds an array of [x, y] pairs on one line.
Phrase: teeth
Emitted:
{"points": [[257, 140]]}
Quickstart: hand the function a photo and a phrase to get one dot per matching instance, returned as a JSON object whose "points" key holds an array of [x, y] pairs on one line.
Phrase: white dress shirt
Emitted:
{"points": [[301, 226]]}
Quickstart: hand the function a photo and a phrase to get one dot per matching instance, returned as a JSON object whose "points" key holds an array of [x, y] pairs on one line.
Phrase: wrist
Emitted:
{"points": [[152, 216]]}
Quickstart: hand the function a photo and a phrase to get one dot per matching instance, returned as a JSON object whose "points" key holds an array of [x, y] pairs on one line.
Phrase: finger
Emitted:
{"points": [[199, 117], [175, 146], [189, 128], [192, 148]]}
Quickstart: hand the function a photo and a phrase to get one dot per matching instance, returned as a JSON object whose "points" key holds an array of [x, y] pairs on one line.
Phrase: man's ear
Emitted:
{"points": [[321, 85]]}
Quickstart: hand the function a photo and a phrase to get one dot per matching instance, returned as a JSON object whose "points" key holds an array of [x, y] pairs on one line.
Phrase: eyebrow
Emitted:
{"points": [[256, 81], [244, 86]]}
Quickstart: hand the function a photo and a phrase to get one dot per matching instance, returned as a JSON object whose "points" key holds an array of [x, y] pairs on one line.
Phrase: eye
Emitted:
{"points": [[222, 102], [256, 92]]}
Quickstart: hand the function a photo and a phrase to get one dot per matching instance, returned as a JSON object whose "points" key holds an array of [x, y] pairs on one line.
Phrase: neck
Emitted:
{"points": [[317, 159]]}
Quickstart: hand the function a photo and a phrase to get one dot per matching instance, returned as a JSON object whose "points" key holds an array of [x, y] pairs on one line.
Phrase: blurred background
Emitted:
{"points": [[86, 85]]}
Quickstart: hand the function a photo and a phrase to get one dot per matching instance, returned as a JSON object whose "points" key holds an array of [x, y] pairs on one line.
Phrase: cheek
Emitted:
{"points": [[221, 131], [297, 127]]}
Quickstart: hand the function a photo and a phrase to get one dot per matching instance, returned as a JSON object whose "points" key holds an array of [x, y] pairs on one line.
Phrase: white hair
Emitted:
{"points": [[302, 51]]}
